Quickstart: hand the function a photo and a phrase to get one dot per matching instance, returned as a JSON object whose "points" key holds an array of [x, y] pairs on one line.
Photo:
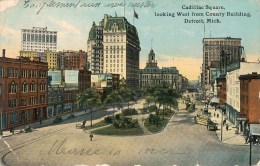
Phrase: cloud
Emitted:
{"points": [[8, 32], [10, 40], [5, 4], [69, 36], [253, 57]]}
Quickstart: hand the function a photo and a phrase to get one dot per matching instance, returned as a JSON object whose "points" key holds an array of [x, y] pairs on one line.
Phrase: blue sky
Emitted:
{"points": [[175, 43]]}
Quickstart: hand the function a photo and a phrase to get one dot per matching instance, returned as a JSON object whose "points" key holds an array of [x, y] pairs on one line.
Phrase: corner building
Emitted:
{"points": [[121, 48], [23, 91]]}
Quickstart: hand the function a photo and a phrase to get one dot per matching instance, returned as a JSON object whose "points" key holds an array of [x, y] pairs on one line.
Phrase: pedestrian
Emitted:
{"points": [[91, 136], [227, 127], [84, 123], [217, 115], [214, 114], [40, 121], [224, 122]]}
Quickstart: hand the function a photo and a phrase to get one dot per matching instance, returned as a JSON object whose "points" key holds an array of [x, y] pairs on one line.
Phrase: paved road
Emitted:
{"points": [[182, 143]]}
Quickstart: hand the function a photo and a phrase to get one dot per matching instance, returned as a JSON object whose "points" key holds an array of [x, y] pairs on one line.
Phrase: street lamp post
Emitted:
{"points": [[250, 147], [221, 133]]}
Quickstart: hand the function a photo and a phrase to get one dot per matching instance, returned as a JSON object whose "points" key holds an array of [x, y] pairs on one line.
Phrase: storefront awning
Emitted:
{"points": [[214, 100]]}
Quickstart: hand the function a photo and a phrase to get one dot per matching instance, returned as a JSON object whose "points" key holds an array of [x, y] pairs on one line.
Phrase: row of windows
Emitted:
{"points": [[13, 87], [39, 38], [13, 72], [39, 44]]}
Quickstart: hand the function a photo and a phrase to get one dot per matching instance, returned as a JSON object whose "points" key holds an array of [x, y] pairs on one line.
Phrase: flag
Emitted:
{"points": [[135, 14]]}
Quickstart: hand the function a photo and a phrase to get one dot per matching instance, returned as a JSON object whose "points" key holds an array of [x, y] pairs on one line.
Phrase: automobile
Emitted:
{"points": [[212, 125], [205, 110]]}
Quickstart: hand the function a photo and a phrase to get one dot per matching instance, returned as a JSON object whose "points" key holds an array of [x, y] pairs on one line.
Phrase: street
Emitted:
{"points": [[181, 143]]}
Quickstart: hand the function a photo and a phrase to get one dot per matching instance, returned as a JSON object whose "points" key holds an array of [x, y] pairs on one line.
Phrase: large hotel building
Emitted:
{"points": [[38, 39], [113, 47]]}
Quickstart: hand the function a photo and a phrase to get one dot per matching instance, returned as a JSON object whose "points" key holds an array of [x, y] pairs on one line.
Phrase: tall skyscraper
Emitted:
{"points": [[212, 48], [38, 39], [95, 48], [113, 47]]}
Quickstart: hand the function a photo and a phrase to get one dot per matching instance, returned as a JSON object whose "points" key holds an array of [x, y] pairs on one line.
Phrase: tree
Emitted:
{"points": [[127, 95], [91, 99], [114, 99]]}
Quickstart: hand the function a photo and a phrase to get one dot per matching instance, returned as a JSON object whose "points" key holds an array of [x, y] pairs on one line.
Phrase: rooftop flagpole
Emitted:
{"points": [[124, 8]]}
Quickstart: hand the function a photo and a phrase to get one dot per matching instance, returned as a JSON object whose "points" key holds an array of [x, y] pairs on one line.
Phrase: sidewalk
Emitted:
{"points": [[44, 123], [228, 136]]}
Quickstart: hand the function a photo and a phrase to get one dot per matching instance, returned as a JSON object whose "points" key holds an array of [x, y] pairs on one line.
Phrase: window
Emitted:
{"points": [[47, 38], [24, 37], [50, 38], [24, 87], [12, 72], [36, 37], [33, 87], [42, 86], [32, 37], [13, 87], [33, 101], [23, 102], [13, 118], [40, 38], [42, 99], [43, 38], [54, 39], [1, 72], [12, 103], [28, 37], [24, 73]]}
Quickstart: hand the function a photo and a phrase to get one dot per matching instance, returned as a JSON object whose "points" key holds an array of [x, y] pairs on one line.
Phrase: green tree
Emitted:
{"points": [[114, 99], [90, 98], [127, 95]]}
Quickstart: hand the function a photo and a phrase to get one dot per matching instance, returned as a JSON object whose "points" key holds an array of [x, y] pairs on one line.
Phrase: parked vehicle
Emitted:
{"points": [[212, 125], [58, 119], [27, 129]]}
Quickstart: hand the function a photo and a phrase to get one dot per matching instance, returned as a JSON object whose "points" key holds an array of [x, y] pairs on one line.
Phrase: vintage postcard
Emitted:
{"points": [[129, 83]]}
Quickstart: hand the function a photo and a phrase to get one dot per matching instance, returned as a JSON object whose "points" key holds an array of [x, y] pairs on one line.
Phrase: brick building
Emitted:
{"points": [[84, 80], [222, 89], [76, 60], [250, 97], [23, 91]]}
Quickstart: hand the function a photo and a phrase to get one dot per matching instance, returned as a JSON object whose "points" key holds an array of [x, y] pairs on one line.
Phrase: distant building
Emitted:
{"points": [[153, 75], [72, 60], [104, 83], [52, 60], [23, 91], [30, 54], [249, 100], [38, 39], [84, 80], [212, 48]]}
